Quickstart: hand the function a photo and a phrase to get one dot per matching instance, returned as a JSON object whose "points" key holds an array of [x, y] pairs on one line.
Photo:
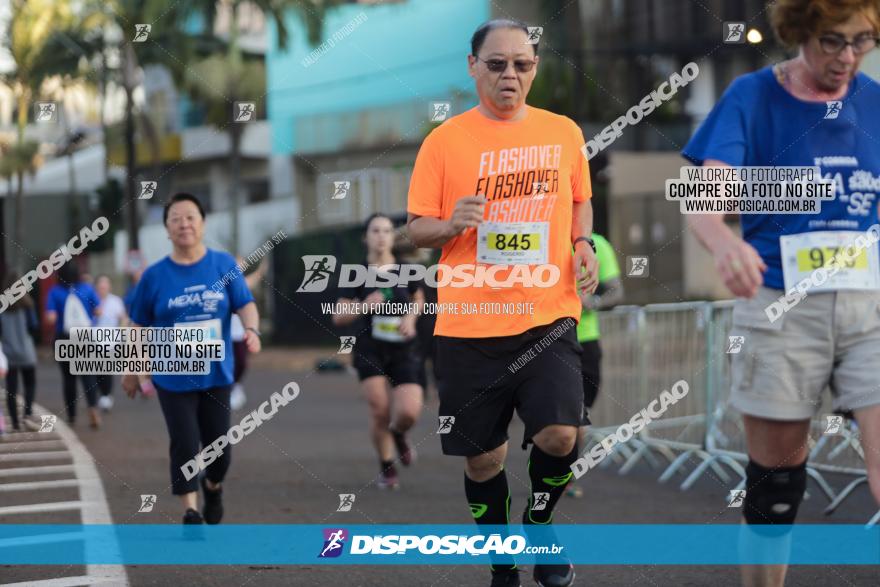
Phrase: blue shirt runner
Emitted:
{"points": [[758, 123], [170, 294]]}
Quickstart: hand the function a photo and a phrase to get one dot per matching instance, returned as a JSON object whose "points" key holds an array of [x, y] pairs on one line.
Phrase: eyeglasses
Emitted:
{"points": [[832, 44], [499, 65]]}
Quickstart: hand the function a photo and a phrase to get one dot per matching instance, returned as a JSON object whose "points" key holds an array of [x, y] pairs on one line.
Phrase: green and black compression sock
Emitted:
{"points": [[490, 505], [549, 476]]}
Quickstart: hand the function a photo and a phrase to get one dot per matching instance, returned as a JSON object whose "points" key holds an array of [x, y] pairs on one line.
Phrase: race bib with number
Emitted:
{"points": [[512, 243], [804, 253], [387, 328], [213, 328]]}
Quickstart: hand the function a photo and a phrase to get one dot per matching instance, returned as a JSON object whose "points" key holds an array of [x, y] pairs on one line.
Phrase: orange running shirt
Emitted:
{"points": [[510, 164]]}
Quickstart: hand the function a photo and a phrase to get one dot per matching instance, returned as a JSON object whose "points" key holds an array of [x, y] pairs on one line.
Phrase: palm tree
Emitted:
{"points": [[22, 158], [64, 59], [220, 81], [31, 26], [7, 172], [167, 44]]}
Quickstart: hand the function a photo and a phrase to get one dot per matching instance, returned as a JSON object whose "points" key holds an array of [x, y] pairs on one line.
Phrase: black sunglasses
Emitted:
{"points": [[499, 65]]}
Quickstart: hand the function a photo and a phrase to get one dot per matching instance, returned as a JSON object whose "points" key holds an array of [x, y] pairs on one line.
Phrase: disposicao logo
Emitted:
{"points": [[334, 542]]}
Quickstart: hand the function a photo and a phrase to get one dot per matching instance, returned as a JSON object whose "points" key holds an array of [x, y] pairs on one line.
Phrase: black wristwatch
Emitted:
{"points": [[587, 240]]}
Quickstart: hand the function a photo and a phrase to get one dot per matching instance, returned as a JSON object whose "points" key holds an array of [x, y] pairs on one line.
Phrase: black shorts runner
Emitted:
{"points": [[482, 381], [591, 362], [400, 363]]}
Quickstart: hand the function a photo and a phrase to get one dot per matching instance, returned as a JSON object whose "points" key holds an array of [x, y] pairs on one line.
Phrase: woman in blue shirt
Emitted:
{"points": [[184, 290], [814, 110]]}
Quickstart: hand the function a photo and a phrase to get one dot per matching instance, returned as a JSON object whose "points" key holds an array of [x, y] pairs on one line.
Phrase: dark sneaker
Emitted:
{"points": [[407, 453], [506, 578], [388, 480], [213, 508], [192, 517], [554, 575]]}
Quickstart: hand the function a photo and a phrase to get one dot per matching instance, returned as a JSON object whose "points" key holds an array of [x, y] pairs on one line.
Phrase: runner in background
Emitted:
{"points": [[112, 314], [178, 291], [19, 326], [815, 110], [238, 398], [3, 369], [474, 193], [72, 303], [608, 294], [386, 354], [129, 292], [407, 252]]}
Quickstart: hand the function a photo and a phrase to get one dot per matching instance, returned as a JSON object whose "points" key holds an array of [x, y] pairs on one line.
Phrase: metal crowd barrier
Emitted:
{"points": [[645, 350]]}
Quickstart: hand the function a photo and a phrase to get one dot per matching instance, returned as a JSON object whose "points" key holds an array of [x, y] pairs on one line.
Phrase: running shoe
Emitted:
{"points": [[192, 517], [105, 403], [554, 575], [237, 398], [507, 578], [32, 423], [407, 453], [213, 509], [388, 480]]}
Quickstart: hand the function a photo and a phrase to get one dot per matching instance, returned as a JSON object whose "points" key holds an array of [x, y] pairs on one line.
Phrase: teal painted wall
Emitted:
{"points": [[375, 83]]}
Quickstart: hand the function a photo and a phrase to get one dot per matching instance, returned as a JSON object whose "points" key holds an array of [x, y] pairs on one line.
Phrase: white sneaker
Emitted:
{"points": [[105, 402], [237, 398]]}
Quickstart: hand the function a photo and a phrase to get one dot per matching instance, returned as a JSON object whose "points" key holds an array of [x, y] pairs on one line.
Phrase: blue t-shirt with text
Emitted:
{"points": [[170, 294], [758, 123], [57, 297]]}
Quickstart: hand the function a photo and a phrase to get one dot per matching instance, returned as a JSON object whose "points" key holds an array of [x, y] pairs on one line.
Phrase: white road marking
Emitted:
{"points": [[28, 435], [38, 508], [29, 486], [92, 504], [34, 456], [95, 509], [32, 444], [26, 471], [66, 582]]}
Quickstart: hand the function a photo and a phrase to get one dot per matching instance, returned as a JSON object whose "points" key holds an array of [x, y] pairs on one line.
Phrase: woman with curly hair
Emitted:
{"points": [[801, 334]]}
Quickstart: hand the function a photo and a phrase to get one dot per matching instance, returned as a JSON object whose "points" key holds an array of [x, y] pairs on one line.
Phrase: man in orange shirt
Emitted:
{"points": [[504, 190]]}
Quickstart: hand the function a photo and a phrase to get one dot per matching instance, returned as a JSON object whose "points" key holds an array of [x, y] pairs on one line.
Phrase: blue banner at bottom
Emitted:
{"points": [[654, 544]]}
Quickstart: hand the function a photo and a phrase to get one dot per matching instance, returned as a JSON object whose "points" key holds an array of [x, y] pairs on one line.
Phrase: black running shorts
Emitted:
{"points": [[482, 380], [400, 363], [591, 361]]}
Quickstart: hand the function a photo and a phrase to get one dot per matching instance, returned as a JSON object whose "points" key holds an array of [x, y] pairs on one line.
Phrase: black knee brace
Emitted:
{"points": [[773, 495]]}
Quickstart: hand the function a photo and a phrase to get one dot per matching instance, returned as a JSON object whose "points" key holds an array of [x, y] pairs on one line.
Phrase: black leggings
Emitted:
{"points": [[28, 375], [194, 420], [90, 386]]}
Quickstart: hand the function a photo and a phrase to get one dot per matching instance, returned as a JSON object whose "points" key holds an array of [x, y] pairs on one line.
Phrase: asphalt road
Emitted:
{"points": [[293, 467]]}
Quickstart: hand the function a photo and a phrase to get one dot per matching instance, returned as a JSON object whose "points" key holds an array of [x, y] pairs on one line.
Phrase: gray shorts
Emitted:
{"points": [[828, 339]]}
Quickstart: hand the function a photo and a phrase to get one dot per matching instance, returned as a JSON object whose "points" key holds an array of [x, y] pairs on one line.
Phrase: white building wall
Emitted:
{"points": [[259, 222]]}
